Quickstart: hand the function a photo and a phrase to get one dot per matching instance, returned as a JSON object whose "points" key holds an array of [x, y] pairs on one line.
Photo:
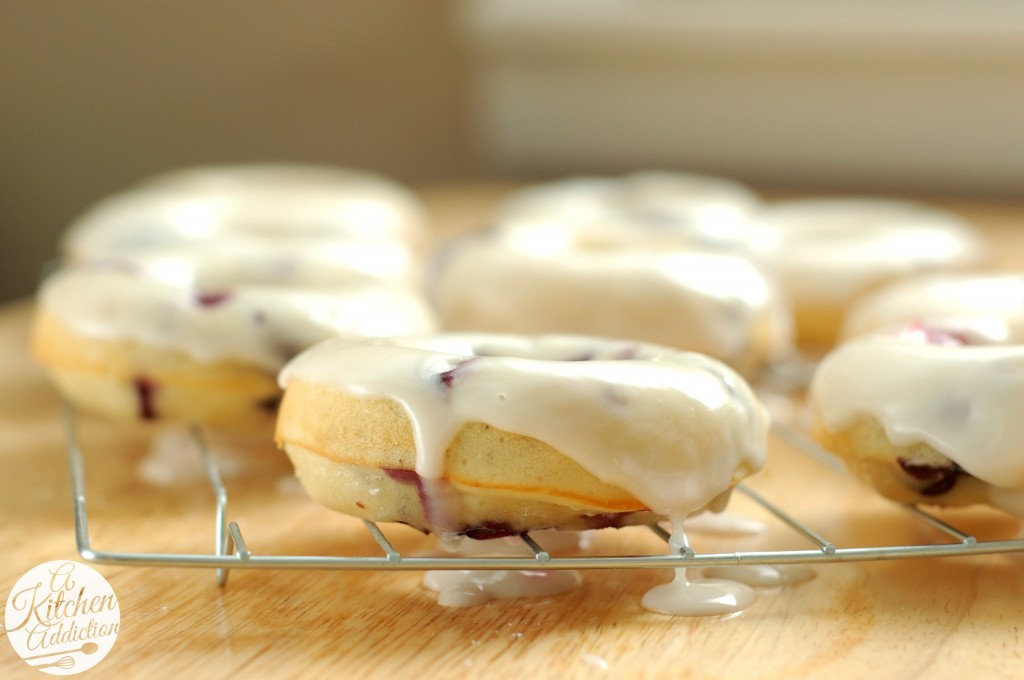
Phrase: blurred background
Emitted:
{"points": [[898, 97]]}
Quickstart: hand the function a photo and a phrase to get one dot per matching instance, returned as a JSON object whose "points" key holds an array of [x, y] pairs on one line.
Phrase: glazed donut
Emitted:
{"points": [[925, 418], [186, 295], [828, 251], [981, 308], [487, 435], [611, 275], [287, 224], [119, 343], [711, 210]]}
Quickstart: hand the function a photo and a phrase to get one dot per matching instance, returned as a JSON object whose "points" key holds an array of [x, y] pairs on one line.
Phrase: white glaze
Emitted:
{"points": [[466, 588], [251, 263], [829, 250], [674, 429], [987, 308], [262, 325], [305, 206], [701, 208], [461, 588], [615, 283], [554, 541], [653, 256], [172, 459], [683, 596], [964, 401], [223, 263]]}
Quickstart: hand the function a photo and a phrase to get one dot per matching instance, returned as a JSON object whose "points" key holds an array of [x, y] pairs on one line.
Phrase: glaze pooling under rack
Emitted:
{"points": [[231, 551]]}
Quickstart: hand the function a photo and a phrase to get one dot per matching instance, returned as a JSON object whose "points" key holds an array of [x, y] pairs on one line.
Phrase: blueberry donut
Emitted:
{"points": [[635, 258], [285, 224], [924, 416], [709, 210], [120, 343], [827, 252], [982, 308], [183, 297], [488, 435]]}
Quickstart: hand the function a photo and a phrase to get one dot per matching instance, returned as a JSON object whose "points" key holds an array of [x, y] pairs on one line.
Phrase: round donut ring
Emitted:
{"points": [[827, 252], [486, 434], [123, 345], [924, 415]]}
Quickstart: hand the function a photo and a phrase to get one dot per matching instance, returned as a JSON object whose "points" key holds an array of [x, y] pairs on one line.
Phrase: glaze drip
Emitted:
{"points": [[683, 596], [461, 588], [681, 430]]}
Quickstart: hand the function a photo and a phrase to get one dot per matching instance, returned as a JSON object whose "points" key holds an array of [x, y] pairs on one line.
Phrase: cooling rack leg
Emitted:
{"points": [[937, 523], [826, 545], [382, 540], [540, 553], [82, 542], [224, 541]]}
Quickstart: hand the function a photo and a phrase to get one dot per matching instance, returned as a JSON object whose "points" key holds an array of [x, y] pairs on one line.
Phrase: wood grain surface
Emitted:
{"points": [[920, 618]]}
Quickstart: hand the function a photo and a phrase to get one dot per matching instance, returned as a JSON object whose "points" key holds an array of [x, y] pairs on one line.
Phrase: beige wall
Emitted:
{"points": [[94, 95], [889, 96]]}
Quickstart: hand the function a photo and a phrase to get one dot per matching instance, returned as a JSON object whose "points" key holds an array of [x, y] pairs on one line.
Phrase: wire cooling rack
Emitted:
{"points": [[231, 551]]}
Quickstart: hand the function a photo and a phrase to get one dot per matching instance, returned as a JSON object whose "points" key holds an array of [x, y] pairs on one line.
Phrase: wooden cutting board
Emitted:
{"points": [[934, 618]]}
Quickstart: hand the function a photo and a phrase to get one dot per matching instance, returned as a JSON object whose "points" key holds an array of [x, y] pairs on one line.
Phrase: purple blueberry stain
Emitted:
{"points": [[404, 476], [932, 335], [145, 393], [212, 298], [935, 479], [447, 378], [487, 531]]}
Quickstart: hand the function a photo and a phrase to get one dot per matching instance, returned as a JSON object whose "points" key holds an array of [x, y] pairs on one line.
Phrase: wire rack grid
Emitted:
{"points": [[232, 552]]}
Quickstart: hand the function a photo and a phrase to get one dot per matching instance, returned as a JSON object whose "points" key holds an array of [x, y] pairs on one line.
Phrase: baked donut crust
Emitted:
{"points": [[915, 473], [828, 252], [924, 419], [124, 379], [358, 453], [979, 308], [377, 433], [183, 296], [709, 302]]}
